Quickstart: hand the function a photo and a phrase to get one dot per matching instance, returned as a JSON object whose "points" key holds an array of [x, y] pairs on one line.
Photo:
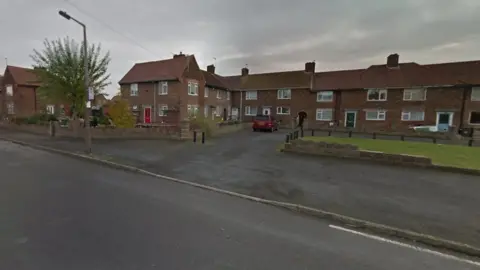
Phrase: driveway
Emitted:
{"points": [[437, 203]]}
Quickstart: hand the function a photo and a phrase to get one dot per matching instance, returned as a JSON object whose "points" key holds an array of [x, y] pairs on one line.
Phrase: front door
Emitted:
{"points": [[350, 118], [266, 110], [444, 120], [147, 115]]}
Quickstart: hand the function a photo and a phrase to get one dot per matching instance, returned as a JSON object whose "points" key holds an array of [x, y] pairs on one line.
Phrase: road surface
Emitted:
{"points": [[58, 213]]}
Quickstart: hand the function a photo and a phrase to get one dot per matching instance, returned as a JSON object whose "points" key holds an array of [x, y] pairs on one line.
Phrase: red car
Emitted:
{"points": [[264, 122]]}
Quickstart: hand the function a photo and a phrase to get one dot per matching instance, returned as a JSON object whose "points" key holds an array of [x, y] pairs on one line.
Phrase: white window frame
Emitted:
{"points": [[475, 95], [134, 107], [205, 110], [205, 92], [192, 89], [9, 90], [219, 94], [248, 110], [322, 94], [163, 88], [251, 95], [10, 108], [284, 94], [407, 116], [50, 109], [228, 95], [279, 110], [218, 111], [192, 108], [408, 94], [161, 109], [380, 91], [379, 114], [134, 90], [322, 111]]}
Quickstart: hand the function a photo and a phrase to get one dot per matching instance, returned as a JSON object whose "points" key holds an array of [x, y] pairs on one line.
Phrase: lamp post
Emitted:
{"points": [[88, 136]]}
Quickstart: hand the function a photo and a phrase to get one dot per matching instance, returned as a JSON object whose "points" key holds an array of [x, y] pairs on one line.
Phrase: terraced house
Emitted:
{"points": [[387, 97]]}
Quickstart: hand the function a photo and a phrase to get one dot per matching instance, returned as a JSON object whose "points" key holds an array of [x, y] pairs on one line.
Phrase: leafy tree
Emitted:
{"points": [[121, 115], [60, 68]]}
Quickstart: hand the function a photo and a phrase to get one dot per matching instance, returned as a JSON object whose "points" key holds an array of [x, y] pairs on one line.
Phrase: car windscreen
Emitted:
{"points": [[262, 118]]}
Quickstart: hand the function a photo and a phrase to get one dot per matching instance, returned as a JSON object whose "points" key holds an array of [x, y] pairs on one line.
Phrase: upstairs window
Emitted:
{"points": [[414, 94], [206, 92], [192, 89], [251, 95], [133, 89], [284, 94], [163, 88], [475, 94], [325, 96], [377, 95], [219, 94], [9, 90], [228, 95]]}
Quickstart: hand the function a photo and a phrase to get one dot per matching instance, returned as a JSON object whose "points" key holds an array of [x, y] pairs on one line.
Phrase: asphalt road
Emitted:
{"points": [[58, 213], [431, 202]]}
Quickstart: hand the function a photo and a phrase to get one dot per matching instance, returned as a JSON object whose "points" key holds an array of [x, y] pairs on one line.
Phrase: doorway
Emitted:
{"points": [[350, 119], [266, 111], [444, 120], [147, 115]]}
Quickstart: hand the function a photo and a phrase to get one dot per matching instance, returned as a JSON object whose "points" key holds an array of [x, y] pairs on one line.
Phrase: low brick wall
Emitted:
{"points": [[352, 151], [167, 132]]}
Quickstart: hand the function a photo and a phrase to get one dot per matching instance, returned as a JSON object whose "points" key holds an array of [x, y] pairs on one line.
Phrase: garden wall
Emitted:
{"points": [[352, 151]]}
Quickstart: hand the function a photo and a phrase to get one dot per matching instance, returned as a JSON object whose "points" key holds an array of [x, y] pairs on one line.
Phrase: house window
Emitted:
{"points": [[250, 110], [9, 90], [10, 108], [228, 95], [475, 94], [474, 118], [192, 110], [206, 92], [415, 94], [377, 95], [133, 89], [413, 116], [162, 110], [205, 110], [325, 96], [379, 115], [283, 110], [192, 89], [163, 88], [50, 109], [251, 95], [324, 114], [284, 94], [134, 108], [218, 110], [219, 94]]}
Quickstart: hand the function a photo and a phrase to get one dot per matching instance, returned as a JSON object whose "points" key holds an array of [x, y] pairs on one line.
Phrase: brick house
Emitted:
{"points": [[392, 96], [177, 85], [20, 97], [1, 95]]}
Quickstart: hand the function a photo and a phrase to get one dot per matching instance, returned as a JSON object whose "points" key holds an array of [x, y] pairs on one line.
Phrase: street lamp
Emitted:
{"points": [[88, 136]]}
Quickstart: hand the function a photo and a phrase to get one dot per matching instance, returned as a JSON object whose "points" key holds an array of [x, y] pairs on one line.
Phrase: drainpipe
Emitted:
{"points": [[462, 109]]}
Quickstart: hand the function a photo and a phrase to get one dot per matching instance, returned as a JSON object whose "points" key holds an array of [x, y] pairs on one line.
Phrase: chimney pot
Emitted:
{"points": [[392, 60], [244, 71], [211, 69], [178, 55], [310, 67]]}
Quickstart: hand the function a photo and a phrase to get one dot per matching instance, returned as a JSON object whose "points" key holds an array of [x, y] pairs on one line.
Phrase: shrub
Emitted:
{"points": [[121, 115], [203, 124]]}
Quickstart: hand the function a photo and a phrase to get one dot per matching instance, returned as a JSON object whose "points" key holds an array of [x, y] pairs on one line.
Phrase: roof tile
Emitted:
{"points": [[23, 76], [168, 69]]}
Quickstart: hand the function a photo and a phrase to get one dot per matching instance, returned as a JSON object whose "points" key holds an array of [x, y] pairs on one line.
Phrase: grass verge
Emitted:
{"points": [[441, 154]]}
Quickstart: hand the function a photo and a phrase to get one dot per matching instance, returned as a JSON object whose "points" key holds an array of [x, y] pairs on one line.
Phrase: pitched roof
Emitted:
{"points": [[23, 76], [406, 75], [168, 69], [233, 82], [214, 80], [275, 80], [1, 83]]}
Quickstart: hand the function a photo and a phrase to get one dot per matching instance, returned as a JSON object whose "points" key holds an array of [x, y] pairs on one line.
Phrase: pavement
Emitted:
{"points": [[59, 213], [426, 201]]}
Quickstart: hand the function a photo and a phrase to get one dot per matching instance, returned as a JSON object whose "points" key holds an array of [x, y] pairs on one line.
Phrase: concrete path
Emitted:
{"points": [[436, 203], [58, 213]]}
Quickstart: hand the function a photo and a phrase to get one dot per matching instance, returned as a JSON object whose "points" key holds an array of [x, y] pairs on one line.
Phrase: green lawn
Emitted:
{"points": [[449, 155]]}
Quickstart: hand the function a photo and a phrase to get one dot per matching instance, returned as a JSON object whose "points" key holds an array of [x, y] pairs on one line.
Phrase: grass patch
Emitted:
{"points": [[441, 154]]}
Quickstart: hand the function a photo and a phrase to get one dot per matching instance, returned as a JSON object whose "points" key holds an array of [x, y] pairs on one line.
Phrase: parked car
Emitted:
{"points": [[264, 122]]}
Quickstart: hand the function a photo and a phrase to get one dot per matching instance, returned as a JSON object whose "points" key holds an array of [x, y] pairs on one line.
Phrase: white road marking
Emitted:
{"points": [[420, 249]]}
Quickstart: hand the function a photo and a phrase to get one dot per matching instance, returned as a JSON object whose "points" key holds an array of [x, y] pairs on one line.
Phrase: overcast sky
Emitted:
{"points": [[268, 35]]}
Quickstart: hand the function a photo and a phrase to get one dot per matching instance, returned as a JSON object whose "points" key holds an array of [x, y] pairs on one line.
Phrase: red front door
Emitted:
{"points": [[147, 112]]}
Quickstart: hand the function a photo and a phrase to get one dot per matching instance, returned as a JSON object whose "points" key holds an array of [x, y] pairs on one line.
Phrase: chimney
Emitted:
{"points": [[244, 71], [392, 60], [178, 55], [310, 67], [211, 69]]}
